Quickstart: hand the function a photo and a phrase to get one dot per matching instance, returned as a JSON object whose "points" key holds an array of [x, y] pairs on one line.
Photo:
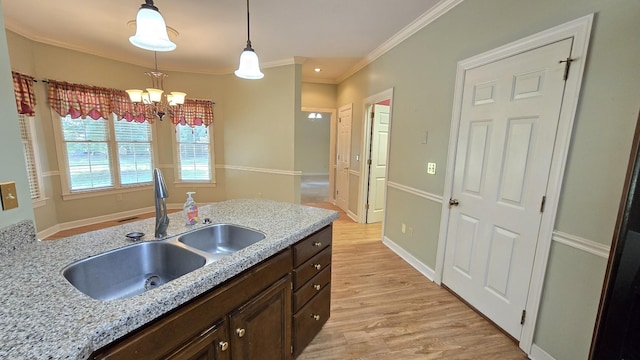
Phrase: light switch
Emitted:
{"points": [[9, 195], [431, 168]]}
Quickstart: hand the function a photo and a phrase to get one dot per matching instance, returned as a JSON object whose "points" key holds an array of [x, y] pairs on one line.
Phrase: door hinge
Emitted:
{"points": [[542, 203], [366, 206], [524, 315], [567, 64], [369, 162], [373, 115], [337, 192]]}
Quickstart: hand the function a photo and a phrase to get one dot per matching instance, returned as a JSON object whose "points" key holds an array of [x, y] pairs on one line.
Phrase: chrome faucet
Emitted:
{"points": [[160, 193]]}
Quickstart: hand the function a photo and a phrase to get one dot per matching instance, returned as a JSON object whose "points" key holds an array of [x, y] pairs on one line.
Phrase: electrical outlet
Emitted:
{"points": [[9, 195], [410, 231], [431, 168]]}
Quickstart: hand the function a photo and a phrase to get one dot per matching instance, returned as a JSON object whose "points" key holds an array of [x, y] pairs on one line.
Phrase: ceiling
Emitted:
{"points": [[334, 35]]}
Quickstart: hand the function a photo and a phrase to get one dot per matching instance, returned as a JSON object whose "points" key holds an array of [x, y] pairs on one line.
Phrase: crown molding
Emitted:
{"points": [[425, 19]]}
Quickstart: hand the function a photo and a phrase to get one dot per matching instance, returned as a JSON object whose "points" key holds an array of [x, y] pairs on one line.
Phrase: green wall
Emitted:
{"points": [[11, 156], [422, 71]]}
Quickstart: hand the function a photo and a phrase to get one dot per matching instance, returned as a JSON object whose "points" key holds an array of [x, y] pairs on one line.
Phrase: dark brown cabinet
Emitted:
{"points": [[213, 344], [312, 287], [260, 328], [270, 311]]}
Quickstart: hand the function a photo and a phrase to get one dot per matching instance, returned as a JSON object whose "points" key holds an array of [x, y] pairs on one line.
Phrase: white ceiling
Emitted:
{"points": [[334, 35]]}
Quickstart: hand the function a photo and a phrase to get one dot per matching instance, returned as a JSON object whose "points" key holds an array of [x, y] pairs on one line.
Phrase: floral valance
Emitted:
{"points": [[194, 112], [23, 90]]}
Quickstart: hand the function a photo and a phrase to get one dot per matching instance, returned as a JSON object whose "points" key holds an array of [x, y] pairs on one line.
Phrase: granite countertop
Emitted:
{"points": [[45, 317]]}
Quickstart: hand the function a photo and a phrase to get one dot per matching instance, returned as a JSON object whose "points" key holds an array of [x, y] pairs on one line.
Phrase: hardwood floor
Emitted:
{"points": [[382, 308]]}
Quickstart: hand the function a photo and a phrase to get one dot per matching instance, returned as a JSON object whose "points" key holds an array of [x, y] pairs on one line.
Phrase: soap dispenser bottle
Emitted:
{"points": [[190, 210]]}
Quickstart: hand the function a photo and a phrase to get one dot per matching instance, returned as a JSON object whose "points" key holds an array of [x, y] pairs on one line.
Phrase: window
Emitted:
{"points": [[134, 152], [194, 155], [89, 145], [27, 135]]}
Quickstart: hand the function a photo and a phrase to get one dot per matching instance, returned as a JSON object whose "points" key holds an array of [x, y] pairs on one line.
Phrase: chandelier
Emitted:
{"points": [[153, 102]]}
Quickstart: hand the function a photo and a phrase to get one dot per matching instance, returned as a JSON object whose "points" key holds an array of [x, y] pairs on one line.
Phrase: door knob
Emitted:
{"points": [[224, 345], [453, 202]]}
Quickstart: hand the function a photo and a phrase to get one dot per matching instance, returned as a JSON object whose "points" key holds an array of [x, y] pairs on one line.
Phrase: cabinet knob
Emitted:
{"points": [[316, 317], [317, 287], [317, 266], [223, 345], [317, 244], [240, 332]]}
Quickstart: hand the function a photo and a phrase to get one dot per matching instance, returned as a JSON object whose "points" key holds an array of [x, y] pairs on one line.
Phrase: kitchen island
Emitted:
{"points": [[44, 317]]}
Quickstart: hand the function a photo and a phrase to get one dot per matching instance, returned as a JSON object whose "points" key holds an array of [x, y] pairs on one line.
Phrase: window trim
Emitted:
{"points": [[176, 160], [117, 188]]}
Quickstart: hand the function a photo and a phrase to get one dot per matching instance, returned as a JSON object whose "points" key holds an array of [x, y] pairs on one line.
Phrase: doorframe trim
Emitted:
{"points": [[580, 30], [332, 146], [366, 143]]}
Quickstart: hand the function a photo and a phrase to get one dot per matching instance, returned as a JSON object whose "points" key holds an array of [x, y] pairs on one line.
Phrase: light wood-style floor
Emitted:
{"points": [[382, 308]]}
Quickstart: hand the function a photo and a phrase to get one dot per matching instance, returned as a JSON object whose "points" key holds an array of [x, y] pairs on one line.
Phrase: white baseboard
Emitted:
{"points": [[353, 216], [538, 354], [98, 219], [406, 256]]}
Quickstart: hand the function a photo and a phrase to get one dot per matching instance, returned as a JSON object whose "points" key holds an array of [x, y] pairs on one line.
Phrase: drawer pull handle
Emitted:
{"points": [[317, 244], [240, 332], [317, 287], [317, 266], [316, 317], [223, 345]]}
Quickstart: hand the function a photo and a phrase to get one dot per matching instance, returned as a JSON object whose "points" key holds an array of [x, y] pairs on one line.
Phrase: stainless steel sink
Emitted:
{"points": [[221, 239], [131, 270]]}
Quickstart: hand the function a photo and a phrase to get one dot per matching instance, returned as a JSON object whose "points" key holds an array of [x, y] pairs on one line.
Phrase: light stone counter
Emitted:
{"points": [[42, 316]]}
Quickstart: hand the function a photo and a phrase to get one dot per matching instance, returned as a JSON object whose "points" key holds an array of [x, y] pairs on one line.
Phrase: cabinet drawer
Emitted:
{"points": [[308, 322], [307, 248], [311, 288], [311, 268]]}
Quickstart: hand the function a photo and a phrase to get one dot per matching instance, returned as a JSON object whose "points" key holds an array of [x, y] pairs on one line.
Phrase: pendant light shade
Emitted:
{"points": [[249, 67], [151, 30]]}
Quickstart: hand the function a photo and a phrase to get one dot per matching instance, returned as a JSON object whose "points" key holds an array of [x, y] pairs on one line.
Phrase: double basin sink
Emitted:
{"points": [[134, 269]]}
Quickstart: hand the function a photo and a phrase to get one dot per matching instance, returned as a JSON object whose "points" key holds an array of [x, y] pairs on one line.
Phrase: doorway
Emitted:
{"points": [[317, 164], [378, 117]]}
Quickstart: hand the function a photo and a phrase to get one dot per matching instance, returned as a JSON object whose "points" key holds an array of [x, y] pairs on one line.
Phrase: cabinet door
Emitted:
{"points": [[261, 329], [212, 344]]}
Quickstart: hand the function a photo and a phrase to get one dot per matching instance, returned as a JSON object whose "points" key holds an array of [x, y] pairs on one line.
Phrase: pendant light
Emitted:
{"points": [[249, 67], [151, 30]]}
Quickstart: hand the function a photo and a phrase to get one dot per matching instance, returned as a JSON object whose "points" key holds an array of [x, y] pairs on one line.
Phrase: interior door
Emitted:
{"points": [[378, 165], [343, 157], [509, 117]]}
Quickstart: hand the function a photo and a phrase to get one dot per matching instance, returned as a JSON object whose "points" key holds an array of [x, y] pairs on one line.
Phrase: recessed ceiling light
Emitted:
{"points": [[317, 69]]}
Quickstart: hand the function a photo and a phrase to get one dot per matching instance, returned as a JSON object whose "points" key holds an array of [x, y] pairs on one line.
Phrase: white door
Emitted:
{"points": [[343, 153], [378, 165], [509, 117]]}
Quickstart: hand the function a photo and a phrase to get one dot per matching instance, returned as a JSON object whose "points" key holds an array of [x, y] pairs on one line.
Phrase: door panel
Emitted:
{"points": [[509, 117], [378, 168], [343, 154]]}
